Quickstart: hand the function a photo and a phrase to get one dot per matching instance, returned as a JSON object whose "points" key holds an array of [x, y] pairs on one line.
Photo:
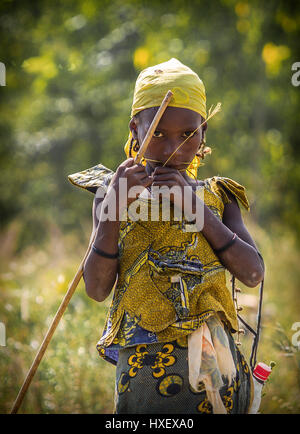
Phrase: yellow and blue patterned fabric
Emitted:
{"points": [[153, 379], [151, 304]]}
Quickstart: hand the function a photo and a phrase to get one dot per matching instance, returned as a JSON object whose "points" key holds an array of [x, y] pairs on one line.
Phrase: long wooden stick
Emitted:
{"points": [[79, 274], [153, 126]]}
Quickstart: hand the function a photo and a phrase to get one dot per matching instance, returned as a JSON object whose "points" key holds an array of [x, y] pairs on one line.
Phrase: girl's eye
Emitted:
{"points": [[188, 134], [157, 134]]}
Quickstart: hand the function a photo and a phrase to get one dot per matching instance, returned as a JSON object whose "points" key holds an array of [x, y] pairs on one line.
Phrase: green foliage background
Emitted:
{"points": [[70, 73]]}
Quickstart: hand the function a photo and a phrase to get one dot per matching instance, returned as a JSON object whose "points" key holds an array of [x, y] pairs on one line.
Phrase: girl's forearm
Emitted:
{"points": [[241, 259], [100, 273]]}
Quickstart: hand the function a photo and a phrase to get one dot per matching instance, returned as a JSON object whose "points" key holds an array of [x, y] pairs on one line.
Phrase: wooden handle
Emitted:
{"points": [[153, 126], [51, 330]]}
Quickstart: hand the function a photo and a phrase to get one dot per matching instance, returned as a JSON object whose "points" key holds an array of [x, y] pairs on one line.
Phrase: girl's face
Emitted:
{"points": [[175, 126]]}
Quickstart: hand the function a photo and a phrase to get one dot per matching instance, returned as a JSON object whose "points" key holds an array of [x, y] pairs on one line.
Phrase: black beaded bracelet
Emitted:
{"points": [[104, 254], [232, 241]]}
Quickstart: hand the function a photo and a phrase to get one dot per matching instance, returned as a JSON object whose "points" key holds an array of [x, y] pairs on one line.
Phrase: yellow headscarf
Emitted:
{"points": [[153, 83]]}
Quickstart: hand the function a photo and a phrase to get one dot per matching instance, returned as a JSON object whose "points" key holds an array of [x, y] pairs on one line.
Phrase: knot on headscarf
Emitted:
{"points": [[152, 85]]}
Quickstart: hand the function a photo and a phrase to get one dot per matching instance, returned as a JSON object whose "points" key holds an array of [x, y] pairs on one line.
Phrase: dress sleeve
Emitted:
{"points": [[93, 178], [220, 185]]}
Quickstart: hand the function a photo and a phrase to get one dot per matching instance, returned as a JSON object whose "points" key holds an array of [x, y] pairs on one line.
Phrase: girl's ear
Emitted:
{"points": [[202, 141], [201, 144], [204, 128], [133, 128]]}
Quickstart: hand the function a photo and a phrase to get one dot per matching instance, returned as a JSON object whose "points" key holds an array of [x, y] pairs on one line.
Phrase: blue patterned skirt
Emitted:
{"points": [[153, 379]]}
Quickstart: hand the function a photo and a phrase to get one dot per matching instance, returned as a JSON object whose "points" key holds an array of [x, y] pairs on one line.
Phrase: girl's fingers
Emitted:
{"points": [[163, 169], [136, 168], [169, 183], [146, 181], [139, 169], [127, 163], [166, 177], [166, 180]]}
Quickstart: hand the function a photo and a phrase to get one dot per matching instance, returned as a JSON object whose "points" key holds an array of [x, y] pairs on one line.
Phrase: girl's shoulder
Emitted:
{"points": [[225, 187], [93, 178]]}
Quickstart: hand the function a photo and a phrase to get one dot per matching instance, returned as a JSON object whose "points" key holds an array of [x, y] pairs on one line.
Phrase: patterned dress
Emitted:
{"points": [[170, 283]]}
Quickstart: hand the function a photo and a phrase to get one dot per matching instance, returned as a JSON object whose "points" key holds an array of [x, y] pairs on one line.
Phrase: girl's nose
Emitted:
{"points": [[171, 148]]}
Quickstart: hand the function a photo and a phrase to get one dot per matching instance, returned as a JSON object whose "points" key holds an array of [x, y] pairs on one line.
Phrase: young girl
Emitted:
{"points": [[170, 324]]}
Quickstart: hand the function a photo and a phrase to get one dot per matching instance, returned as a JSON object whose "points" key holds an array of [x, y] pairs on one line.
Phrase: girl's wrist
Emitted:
{"points": [[194, 210]]}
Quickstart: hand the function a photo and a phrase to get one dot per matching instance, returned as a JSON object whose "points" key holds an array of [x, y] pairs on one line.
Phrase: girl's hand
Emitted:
{"points": [[128, 175], [170, 177]]}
